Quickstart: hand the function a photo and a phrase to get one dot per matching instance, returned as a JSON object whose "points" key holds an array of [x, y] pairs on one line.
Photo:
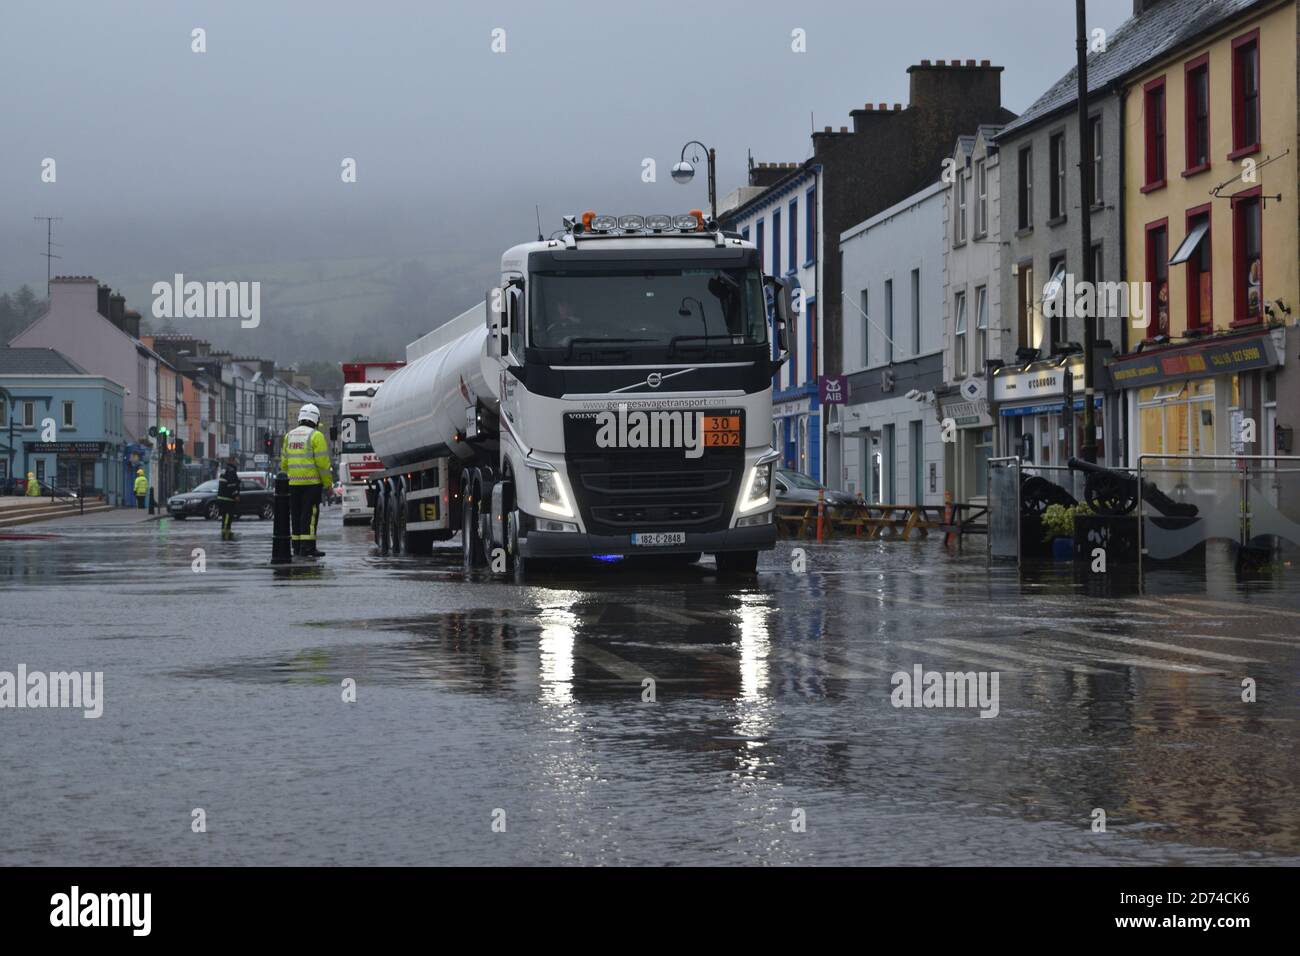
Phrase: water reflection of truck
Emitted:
{"points": [[357, 459], [611, 397]]}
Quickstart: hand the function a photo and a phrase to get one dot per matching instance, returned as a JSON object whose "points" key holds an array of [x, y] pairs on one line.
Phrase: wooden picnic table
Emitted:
{"points": [[869, 520]]}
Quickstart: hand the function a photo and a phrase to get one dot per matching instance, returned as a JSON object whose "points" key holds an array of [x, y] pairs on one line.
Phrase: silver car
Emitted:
{"points": [[796, 488]]}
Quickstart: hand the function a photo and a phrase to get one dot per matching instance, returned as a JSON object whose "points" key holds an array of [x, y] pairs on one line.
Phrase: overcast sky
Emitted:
{"points": [[170, 160]]}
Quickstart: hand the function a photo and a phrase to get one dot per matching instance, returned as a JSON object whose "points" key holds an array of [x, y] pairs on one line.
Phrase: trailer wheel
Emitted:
{"points": [[396, 509], [485, 517], [470, 548], [380, 520], [737, 562]]}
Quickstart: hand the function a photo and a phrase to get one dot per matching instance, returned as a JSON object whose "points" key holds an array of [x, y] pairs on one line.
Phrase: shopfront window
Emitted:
{"points": [[1046, 439], [1158, 276], [1248, 256], [1177, 418]]}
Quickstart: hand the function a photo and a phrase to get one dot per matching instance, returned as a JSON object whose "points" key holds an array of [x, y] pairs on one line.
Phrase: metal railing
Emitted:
{"points": [[1240, 499], [1004, 507], [66, 496]]}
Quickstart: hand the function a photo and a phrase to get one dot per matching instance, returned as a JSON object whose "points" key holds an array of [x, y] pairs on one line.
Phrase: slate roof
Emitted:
{"points": [[1141, 39], [35, 361]]}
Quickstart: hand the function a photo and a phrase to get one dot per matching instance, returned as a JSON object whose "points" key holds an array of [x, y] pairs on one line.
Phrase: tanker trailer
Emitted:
{"points": [[610, 397]]}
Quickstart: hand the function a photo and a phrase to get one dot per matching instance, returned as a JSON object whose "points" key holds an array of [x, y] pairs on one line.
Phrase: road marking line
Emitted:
{"points": [[830, 668], [612, 663], [1147, 662], [997, 651], [677, 617], [1244, 640], [1156, 645], [1239, 608], [898, 600], [935, 652]]}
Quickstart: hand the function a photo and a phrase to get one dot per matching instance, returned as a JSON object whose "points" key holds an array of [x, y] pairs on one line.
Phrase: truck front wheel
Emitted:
{"points": [[737, 562], [514, 559]]}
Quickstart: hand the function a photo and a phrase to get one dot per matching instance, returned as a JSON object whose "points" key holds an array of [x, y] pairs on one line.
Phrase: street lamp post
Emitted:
{"points": [[1089, 449], [684, 172]]}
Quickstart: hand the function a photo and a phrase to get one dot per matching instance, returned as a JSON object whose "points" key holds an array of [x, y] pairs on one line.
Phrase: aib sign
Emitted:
{"points": [[833, 389]]}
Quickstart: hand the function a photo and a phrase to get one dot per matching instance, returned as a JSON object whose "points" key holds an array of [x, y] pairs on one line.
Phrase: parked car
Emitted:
{"points": [[796, 488], [255, 498]]}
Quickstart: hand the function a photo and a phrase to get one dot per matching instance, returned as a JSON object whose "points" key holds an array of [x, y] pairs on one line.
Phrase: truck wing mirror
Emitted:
{"points": [[782, 307], [495, 307]]}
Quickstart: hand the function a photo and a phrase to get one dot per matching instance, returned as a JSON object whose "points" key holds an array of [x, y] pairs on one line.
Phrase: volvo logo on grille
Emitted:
{"points": [[654, 379]]}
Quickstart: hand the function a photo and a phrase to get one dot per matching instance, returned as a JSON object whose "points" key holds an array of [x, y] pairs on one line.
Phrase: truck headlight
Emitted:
{"points": [[757, 486], [550, 492]]}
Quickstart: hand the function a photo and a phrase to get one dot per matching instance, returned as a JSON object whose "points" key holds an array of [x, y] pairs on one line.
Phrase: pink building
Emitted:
{"points": [[91, 326]]}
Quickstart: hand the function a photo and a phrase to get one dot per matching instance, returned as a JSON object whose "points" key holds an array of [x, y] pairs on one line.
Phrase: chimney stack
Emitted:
{"points": [[117, 310], [102, 300], [951, 84]]}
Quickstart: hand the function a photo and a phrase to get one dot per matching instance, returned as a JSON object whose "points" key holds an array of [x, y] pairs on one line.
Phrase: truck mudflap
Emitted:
{"points": [[557, 544]]}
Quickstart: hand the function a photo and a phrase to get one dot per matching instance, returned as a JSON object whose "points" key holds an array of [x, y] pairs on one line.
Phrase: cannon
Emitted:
{"points": [[1037, 493], [1113, 491]]}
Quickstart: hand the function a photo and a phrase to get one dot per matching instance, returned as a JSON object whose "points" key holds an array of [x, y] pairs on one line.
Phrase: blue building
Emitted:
{"points": [[62, 423], [780, 213]]}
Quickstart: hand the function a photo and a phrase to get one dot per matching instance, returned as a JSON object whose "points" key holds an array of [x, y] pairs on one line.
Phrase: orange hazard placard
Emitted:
{"points": [[722, 431]]}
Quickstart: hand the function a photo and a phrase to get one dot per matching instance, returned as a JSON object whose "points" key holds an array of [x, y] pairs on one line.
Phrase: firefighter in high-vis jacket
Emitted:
{"points": [[304, 456], [140, 487]]}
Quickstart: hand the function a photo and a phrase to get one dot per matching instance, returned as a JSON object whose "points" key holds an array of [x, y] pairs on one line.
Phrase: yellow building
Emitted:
{"points": [[1210, 221]]}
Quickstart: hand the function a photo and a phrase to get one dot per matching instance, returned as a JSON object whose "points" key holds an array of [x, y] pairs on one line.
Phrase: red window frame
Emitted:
{"points": [[1154, 178], [1239, 304], [1191, 166], [1239, 148], [1153, 325], [1193, 276]]}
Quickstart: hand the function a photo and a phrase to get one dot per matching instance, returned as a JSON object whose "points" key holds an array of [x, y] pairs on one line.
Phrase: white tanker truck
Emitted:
{"points": [[612, 396]]}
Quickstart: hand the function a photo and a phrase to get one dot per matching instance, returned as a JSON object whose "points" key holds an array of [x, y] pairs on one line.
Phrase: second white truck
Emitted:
{"points": [[612, 396]]}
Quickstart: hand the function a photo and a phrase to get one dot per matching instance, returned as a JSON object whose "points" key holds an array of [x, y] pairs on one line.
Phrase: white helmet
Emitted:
{"points": [[309, 413]]}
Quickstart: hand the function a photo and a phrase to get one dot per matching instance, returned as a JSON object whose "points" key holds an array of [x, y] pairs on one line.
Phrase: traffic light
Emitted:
{"points": [[268, 443], [164, 438]]}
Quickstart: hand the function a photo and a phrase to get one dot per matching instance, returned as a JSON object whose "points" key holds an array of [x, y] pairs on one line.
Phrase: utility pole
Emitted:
{"points": [[49, 247], [1089, 449]]}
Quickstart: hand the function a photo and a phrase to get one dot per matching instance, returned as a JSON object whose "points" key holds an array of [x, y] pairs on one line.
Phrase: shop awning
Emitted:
{"points": [[1044, 408], [1189, 245]]}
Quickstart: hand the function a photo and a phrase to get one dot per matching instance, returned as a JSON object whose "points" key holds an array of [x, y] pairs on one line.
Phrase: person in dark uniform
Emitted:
{"points": [[228, 497]]}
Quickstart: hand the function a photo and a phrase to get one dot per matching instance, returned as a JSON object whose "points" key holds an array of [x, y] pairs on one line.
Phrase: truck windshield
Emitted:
{"points": [[656, 309], [354, 435]]}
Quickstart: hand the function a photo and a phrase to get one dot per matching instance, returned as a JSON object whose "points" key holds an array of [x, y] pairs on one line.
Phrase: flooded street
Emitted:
{"points": [[772, 737]]}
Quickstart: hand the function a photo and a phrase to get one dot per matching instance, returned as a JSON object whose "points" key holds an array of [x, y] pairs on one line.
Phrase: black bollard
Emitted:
{"points": [[281, 550]]}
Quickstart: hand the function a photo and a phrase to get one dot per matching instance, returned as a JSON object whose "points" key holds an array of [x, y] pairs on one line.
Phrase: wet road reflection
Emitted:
{"points": [[628, 715]]}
